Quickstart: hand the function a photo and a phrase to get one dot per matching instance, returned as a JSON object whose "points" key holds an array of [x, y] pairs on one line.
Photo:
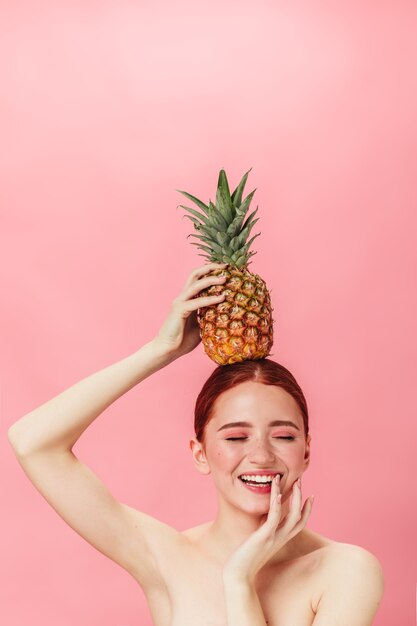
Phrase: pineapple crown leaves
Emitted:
{"points": [[223, 229]]}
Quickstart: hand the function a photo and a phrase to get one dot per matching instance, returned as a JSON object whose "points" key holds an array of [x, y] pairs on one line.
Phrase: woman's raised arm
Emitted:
{"points": [[58, 424], [43, 441]]}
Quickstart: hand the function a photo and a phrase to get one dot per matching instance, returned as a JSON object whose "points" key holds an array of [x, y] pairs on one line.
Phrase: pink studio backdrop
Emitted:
{"points": [[105, 109]]}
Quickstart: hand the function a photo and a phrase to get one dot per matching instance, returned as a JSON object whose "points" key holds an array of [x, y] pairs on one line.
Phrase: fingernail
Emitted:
{"points": [[299, 482], [311, 499]]}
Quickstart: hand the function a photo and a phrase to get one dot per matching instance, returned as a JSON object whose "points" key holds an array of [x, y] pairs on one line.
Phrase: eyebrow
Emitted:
{"points": [[249, 425]]}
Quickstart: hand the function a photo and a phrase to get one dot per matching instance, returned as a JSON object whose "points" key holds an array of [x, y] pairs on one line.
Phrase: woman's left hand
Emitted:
{"points": [[264, 543]]}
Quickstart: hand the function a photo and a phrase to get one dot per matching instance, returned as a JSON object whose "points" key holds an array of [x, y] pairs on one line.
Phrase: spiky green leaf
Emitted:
{"points": [[224, 185], [198, 202], [223, 205], [206, 239], [241, 211], [196, 223], [238, 192], [249, 218], [222, 224], [235, 226], [234, 244], [224, 229], [246, 203], [223, 239], [215, 247], [201, 217], [246, 232], [241, 260], [246, 247], [210, 231], [209, 250]]}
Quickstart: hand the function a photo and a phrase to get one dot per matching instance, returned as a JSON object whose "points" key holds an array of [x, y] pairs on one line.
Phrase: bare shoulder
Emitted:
{"points": [[339, 554], [352, 585], [351, 560]]}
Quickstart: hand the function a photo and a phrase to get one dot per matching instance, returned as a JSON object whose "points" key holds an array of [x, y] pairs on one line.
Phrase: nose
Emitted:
{"points": [[261, 452]]}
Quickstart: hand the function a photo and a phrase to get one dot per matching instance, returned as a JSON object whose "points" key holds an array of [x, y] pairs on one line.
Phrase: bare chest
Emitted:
{"points": [[193, 594]]}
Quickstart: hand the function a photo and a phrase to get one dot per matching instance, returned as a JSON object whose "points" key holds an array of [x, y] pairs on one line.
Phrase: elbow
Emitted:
{"points": [[15, 439], [11, 436], [24, 441]]}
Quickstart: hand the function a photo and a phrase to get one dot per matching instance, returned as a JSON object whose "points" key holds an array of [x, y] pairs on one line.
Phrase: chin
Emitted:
{"points": [[256, 508]]}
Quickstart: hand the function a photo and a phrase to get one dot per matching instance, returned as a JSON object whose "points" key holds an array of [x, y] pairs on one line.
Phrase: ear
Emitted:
{"points": [[307, 453], [199, 456]]}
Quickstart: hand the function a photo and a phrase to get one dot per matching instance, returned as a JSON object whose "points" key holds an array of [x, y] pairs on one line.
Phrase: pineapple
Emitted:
{"points": [[239, 327]]}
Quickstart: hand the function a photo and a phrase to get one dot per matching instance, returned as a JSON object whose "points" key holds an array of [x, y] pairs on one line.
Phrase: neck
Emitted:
{"points": [[233, 526]]}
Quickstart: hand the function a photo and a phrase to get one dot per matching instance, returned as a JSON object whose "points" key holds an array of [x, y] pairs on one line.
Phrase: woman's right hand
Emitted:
{"points": [[180, 333]]}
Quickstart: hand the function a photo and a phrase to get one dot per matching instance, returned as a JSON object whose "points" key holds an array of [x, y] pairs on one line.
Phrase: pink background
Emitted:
{"points": [[105, 109]]}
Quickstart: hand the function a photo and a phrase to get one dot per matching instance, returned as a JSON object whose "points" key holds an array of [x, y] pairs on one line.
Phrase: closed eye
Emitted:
{"points": [[242, 438]]}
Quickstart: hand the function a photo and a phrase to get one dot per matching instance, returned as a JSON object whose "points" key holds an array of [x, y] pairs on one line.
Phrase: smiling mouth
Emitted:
{"points": [[258, 483]]}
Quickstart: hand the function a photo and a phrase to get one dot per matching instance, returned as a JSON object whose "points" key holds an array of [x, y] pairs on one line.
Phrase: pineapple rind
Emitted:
{"points": [[239, 328]]}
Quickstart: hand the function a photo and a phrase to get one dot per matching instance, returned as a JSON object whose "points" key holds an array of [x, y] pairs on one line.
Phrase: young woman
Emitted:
{"points": [[256, 563]]}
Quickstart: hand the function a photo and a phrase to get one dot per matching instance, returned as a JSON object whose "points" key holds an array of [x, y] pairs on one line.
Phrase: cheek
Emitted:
{"points": [[293, 456], [224, 457], [290, 453]]}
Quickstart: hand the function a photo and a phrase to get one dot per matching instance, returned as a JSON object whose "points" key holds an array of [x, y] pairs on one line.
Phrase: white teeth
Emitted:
{"points": [[258, 479]]}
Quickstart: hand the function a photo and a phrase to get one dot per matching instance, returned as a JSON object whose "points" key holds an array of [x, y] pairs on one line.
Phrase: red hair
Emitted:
{"points": [[225, 377]]}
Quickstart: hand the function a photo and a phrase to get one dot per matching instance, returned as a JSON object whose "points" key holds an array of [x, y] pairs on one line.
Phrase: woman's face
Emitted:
{"points": [[232, 450]]}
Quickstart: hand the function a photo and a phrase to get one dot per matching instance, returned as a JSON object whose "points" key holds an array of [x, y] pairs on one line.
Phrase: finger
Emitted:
{"points": [[275, 506], [201, 284], [199, 303], [278, 482], [202, 271], [294, 514], [305, 514]]}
